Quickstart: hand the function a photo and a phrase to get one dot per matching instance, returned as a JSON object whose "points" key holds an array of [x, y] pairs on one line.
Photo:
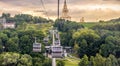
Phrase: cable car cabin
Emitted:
{"points": [[36, 47], [57, 51], [57, 42], [46, 39]]}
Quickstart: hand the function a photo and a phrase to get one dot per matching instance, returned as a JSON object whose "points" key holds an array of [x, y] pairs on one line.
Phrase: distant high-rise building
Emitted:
{"points": [[82, 19], [65, 12]]}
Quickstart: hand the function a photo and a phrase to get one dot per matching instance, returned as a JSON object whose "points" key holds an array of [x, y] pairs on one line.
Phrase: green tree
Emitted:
{"points": [[26, 40], [25, 60], [4, 39], [60, 63], [114, 61], [111, 46], [108, 62], [82, 49], [88, 41], [119, 61], [1, 46], [76, 48], [84, 61], [92, 61], [66, 38], [37, 61], [5, 15], [99, 60], [47, 62], [66, 26], [9, 59], [12, 45]]}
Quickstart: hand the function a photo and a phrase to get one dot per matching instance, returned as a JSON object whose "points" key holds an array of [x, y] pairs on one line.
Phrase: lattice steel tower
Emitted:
{"points": [[65, 12]]}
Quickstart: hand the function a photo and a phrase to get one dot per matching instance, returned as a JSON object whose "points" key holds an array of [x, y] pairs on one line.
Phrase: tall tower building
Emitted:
{"points": [[65, 12]]}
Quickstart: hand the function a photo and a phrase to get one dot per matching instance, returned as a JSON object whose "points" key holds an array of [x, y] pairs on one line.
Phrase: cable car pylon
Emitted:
{"points": [[57, 49], [54, 59]]}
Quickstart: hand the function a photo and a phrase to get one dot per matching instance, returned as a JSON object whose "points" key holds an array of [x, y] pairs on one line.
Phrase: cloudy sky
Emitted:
{"points": [[91, 10]]}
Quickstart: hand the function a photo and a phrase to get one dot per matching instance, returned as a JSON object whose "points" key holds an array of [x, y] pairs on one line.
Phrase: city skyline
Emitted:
{"points": [[92, 11]]}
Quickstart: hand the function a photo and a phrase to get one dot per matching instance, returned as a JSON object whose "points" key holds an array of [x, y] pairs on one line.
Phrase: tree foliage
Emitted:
{"points": [[9, 59], [87, 40], [98, 60], [66, 26], [25, 60], [60, 63], [84, 61]]}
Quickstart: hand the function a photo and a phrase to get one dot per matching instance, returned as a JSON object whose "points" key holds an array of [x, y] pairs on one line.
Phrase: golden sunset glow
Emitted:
{"points": [[92, 10]]}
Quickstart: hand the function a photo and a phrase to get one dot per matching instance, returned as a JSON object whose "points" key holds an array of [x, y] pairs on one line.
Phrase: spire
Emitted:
{"points": [[65, 9], [65, 4], [65, 12]]}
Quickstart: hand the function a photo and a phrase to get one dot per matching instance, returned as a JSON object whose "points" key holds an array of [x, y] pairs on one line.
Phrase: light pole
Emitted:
{"points": [[58, 8]]}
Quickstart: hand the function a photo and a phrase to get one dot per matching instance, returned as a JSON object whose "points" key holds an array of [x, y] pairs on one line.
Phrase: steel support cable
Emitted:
{"points": [[42, 2]]}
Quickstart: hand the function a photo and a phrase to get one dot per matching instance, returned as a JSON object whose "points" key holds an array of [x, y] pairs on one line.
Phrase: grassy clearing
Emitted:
{"points": [[89, 25], [71, 62]]}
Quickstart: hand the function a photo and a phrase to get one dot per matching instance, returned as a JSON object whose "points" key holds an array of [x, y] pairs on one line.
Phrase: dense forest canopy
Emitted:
{"points": [[20, 18], [98, 45]]}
